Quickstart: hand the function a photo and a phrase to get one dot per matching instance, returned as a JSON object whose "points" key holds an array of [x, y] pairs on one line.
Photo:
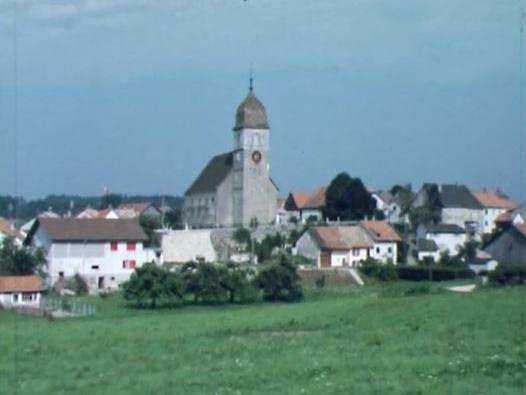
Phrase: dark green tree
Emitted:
{"points": [[279, 281], [149, 224], [17, 260], [172, 218], [348, 199], [242, 236], [147, 284]]}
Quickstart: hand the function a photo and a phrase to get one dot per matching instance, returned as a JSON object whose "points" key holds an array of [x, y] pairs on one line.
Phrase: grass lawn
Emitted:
{"points": [[341, 340]]}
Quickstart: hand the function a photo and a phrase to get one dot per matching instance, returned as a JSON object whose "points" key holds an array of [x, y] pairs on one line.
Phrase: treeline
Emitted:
{"points": [[213, 283], [22, 209]]}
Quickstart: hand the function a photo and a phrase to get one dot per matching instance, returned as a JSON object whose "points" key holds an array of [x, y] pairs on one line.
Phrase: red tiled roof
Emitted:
{"points": [[316, 198], [28, 283], [340, 237], [380, 230], [504, 217], [493, 199]]}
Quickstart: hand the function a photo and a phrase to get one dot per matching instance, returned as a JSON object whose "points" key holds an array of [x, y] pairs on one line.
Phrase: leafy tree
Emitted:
{"points": [[242, 236], [146, 284], [431, 211], [77, 284], [348, 199], [235, 280], [149, 224], [468, 250], [265, 248], [172, 218], [16, 260], [279, 281]]}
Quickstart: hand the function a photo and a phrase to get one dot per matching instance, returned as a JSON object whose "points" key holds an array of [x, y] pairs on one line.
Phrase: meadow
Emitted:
{"points": [[379, 339]]}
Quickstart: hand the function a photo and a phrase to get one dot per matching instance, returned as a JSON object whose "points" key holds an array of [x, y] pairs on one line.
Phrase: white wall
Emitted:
{"points": [[20, 298], [460, 216], [94, 261], [306, 247], [448, 241], [385, 252], [348, 258], [490, 215], [187, 245]]}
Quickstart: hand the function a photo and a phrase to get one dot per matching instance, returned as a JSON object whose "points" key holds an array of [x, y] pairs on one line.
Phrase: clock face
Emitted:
{"points": [[256, 156]]}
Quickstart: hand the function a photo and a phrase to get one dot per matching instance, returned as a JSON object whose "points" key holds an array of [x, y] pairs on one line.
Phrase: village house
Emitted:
{"points": [[306, 206], [426, 250], [8, 230], [20, 290], [509, 245], [458, 206], [383, 200], [448, 237], [103, 251], [348, 245], [494, 204], [385, 240], [516, 216], [124, 210]]}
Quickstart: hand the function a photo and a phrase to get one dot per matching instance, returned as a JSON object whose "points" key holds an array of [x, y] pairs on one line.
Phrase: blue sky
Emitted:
{"points": [[137, 95]]}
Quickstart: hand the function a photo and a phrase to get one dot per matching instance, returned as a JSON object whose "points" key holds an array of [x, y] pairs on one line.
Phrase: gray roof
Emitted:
{"points": [[425, 245], [458, 196], [444, 228], [89, 229], [212, 175], [251, 114]]}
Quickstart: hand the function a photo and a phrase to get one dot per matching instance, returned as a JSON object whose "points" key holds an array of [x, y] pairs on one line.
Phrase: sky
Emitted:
{"points": [[138, 95]]}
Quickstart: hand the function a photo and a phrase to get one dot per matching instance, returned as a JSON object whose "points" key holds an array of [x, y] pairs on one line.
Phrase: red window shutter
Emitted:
{"points": [[113, 245], [130, 245], [132, 264]]}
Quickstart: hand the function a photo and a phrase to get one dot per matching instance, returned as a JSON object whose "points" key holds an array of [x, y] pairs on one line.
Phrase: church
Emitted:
{"points": [[235, 188]]}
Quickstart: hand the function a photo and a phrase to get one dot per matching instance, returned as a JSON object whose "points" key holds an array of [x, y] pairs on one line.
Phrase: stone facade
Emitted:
{"points": [[235, 188]]}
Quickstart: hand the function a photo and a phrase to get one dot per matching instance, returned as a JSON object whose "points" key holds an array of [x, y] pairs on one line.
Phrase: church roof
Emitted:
{"points": [[212, 175], [251, 114]]}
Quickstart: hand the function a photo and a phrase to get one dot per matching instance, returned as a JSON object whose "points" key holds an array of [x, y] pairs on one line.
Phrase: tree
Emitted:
{"points": [[149, 224], [172, 218], [279, 281], [348, 199], [431, 211], [146, 284], [242, 236], [234, 279], [16, 260]]}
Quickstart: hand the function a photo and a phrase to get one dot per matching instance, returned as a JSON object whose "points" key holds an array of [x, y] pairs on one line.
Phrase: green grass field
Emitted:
{"points": [[341, 340]]}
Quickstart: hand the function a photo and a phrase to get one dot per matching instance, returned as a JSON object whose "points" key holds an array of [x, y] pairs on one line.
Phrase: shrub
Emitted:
{"points": [[388, 272], [77, 284], [433, 273], [384, 272], [508, 274], [279, 281], [320, 281]]}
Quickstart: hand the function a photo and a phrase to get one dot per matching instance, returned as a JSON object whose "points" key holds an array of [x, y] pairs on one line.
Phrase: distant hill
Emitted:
{"points": [[61, 204]]}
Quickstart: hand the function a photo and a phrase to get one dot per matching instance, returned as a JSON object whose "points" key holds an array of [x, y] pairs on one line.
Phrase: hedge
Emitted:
{"points": [[433, 273]]}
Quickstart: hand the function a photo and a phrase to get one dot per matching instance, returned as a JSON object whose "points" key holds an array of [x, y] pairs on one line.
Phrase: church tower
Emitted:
{"points": [[254, 194]]}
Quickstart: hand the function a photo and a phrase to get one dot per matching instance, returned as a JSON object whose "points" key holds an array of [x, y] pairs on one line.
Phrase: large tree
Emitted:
{"points": [[17, 260], [348, 199]]}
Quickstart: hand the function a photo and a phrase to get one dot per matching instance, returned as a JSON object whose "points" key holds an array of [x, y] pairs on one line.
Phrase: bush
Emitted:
{"points": [[77, 284], [388, 272], [383, 272], [433, 273], [279, 281], [508, 274], [320, 282]]}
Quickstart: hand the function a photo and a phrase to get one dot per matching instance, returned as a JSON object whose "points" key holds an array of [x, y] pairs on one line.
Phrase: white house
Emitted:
{"points": [[335, 246], [20, 290], [306, 205], [458, 206], [427, 250], [385, 240], [494, 204], [103, 251], [448, 237]]}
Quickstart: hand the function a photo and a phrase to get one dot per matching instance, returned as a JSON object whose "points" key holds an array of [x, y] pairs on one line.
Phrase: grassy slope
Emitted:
{"points": [[360, 340]]}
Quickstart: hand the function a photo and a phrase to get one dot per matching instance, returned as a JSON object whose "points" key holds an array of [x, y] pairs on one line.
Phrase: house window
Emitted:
{"points": [[355, 252], [61, 275], [15, 298], [390, 250], [128, 264], [95, 267], [130, 245], [114, 245], [377, 250]]}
